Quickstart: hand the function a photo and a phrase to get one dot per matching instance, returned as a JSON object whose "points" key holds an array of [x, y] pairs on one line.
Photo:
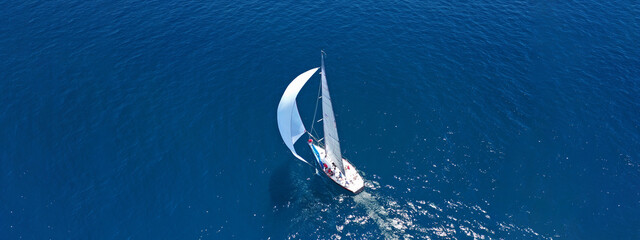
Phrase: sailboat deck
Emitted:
{"points": [[350, 179]]}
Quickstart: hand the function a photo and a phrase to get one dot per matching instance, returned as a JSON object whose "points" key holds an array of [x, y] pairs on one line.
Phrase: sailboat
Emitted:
{"points": [[326, 150]]}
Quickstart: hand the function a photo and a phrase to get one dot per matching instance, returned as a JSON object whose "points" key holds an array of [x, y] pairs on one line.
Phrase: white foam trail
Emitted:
{"points": [[377, 213]]}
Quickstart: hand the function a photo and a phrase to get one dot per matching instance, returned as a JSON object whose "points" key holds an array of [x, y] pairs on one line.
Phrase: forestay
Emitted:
{"points": [[289, 121], [331, 140]]}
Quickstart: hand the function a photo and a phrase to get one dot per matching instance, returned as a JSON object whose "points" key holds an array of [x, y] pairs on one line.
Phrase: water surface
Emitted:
{"points": [[468, 119]]}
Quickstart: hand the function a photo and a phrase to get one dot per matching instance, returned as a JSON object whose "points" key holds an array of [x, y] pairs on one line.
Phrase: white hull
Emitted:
{"points": [[350, 179]]}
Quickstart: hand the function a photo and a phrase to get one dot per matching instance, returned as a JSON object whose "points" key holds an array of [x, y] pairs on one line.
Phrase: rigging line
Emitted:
{"points": [[317, 100], [318, 141]]}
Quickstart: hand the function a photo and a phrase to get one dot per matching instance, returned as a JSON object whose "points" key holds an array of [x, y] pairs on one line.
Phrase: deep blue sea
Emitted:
{"points": [[468, 119]]}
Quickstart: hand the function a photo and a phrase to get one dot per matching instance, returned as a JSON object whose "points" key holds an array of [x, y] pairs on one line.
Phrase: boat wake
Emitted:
{"points": [[378, 214], [401, 218], [383, 212]]}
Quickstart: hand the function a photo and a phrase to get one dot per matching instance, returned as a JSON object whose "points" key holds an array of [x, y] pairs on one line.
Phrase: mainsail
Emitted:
{"points": [[331, 140], [289, 121]]}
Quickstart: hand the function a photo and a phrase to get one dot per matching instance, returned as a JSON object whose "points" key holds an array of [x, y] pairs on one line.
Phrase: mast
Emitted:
{"points": [[331, 140]]}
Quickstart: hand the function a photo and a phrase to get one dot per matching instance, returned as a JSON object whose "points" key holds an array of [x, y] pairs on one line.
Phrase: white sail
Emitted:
{"points": [[331, 140], [289, 121]]}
